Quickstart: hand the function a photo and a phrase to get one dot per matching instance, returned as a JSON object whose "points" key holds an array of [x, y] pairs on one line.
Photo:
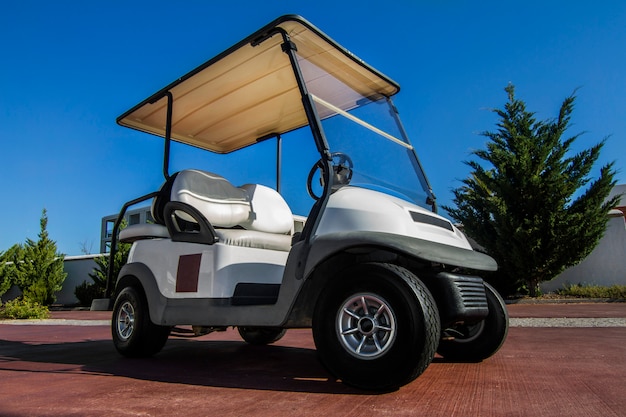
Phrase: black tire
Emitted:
{"points": [[134, 335], [261, 335], [376, 326], [478, 341]]}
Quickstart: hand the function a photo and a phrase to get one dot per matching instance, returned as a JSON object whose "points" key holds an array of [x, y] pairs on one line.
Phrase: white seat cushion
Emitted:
{"points": [[143, 231], [270, 212]]}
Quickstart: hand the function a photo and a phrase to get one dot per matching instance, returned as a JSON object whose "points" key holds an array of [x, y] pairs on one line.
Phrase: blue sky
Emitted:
{"points": [[69, 68]]}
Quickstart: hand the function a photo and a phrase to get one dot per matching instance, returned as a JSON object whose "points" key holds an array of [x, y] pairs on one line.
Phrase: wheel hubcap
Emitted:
{"points": [[126, 321], [366, 326]]}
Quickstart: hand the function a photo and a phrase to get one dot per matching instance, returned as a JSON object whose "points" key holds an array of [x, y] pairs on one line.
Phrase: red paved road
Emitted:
{"points": [[74, 371]]}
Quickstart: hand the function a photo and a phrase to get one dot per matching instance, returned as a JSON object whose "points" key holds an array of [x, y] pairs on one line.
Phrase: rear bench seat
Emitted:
{"points": [[253, 215]]}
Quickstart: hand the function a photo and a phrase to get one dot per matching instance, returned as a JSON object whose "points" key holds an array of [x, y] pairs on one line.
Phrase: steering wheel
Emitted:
{"points": [[342, 172]]}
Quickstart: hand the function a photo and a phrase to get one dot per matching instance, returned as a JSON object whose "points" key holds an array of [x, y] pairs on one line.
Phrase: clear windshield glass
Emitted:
{"points": [[367, 131]]}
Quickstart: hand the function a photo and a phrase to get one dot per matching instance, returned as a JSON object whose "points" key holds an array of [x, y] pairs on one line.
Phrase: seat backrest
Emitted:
{"points": [[270, 212], [221, 203], [159, 202]]}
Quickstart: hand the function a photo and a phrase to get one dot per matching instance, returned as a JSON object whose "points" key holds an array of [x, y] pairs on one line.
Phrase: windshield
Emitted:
{"points": [[367, 131]]}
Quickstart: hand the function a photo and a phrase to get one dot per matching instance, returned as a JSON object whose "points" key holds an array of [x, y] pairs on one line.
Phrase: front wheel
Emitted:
{"points": [[376, 326], [134, 335], [477, 341]]}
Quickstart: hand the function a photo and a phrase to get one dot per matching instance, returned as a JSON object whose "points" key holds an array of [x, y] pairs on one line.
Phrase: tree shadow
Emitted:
{"points": [[227, 364]]}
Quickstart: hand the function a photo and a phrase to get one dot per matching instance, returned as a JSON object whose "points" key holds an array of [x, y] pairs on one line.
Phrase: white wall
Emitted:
{"points": [[78, 269]]}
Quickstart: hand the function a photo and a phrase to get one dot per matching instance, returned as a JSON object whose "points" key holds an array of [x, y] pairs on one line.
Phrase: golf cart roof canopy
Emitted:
{"points": [[250, 92]]}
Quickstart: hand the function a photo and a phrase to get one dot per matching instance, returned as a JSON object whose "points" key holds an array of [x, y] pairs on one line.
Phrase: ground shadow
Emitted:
{"points": [[229, 364]]}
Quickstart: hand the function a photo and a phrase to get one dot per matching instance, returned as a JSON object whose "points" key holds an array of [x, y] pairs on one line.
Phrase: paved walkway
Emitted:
{"points": [[568, 315], [522, 315], [64, 369]]}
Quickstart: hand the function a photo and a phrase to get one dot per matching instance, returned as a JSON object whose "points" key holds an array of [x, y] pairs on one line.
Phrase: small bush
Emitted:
{"points": [[87, 292], [594, 291], [21, 308]]}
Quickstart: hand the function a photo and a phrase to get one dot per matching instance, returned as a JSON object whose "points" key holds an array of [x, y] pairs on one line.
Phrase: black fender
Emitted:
{"points": [[311, 265], [138, 273], [327, 255], [325, 246]]}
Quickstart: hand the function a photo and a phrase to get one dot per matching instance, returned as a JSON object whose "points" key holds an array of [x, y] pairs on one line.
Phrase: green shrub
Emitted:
{"points": [[594, 291], [22, 308], [87, 292], [8, 261]]}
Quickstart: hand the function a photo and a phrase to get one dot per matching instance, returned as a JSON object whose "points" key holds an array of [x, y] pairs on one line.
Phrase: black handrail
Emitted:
{"points": [[109, 288]]}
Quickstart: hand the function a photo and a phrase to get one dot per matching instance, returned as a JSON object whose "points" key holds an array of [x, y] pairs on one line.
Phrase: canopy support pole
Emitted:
{"points": [[168, 135], [279, 161]]}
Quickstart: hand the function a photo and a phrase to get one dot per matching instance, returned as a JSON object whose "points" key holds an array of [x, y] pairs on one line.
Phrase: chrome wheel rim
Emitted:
{"points": [[366, 326], [126, 321]]}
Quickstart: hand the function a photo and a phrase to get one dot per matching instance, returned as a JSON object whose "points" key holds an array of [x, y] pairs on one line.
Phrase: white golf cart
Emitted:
{"points": [[378, 275]]}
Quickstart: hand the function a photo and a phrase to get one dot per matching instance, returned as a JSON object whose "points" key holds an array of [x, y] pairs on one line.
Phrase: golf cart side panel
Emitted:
{"points": [[188, 270], [220, 299], [208, 312], [222, 312]]}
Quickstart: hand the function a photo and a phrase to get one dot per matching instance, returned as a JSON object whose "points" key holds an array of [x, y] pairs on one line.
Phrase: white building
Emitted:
{"points": [[136, 216]]}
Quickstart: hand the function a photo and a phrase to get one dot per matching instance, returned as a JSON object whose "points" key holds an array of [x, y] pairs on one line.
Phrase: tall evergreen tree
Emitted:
{"points": [[40, 274], [533, 207]]}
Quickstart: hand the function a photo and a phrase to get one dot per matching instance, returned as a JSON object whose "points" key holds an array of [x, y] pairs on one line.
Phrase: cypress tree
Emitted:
{"points": [[533, 206], [40, 273]]}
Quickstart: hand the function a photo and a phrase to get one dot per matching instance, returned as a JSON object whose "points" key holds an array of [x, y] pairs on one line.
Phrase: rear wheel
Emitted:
{"points": [[134, 335], [477, 341], [376, 326], [261, 335]]}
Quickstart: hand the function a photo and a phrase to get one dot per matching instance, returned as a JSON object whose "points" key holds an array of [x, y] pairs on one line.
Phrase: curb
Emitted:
{"points": [[564, 300], [55, 322], [586, 322]]}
